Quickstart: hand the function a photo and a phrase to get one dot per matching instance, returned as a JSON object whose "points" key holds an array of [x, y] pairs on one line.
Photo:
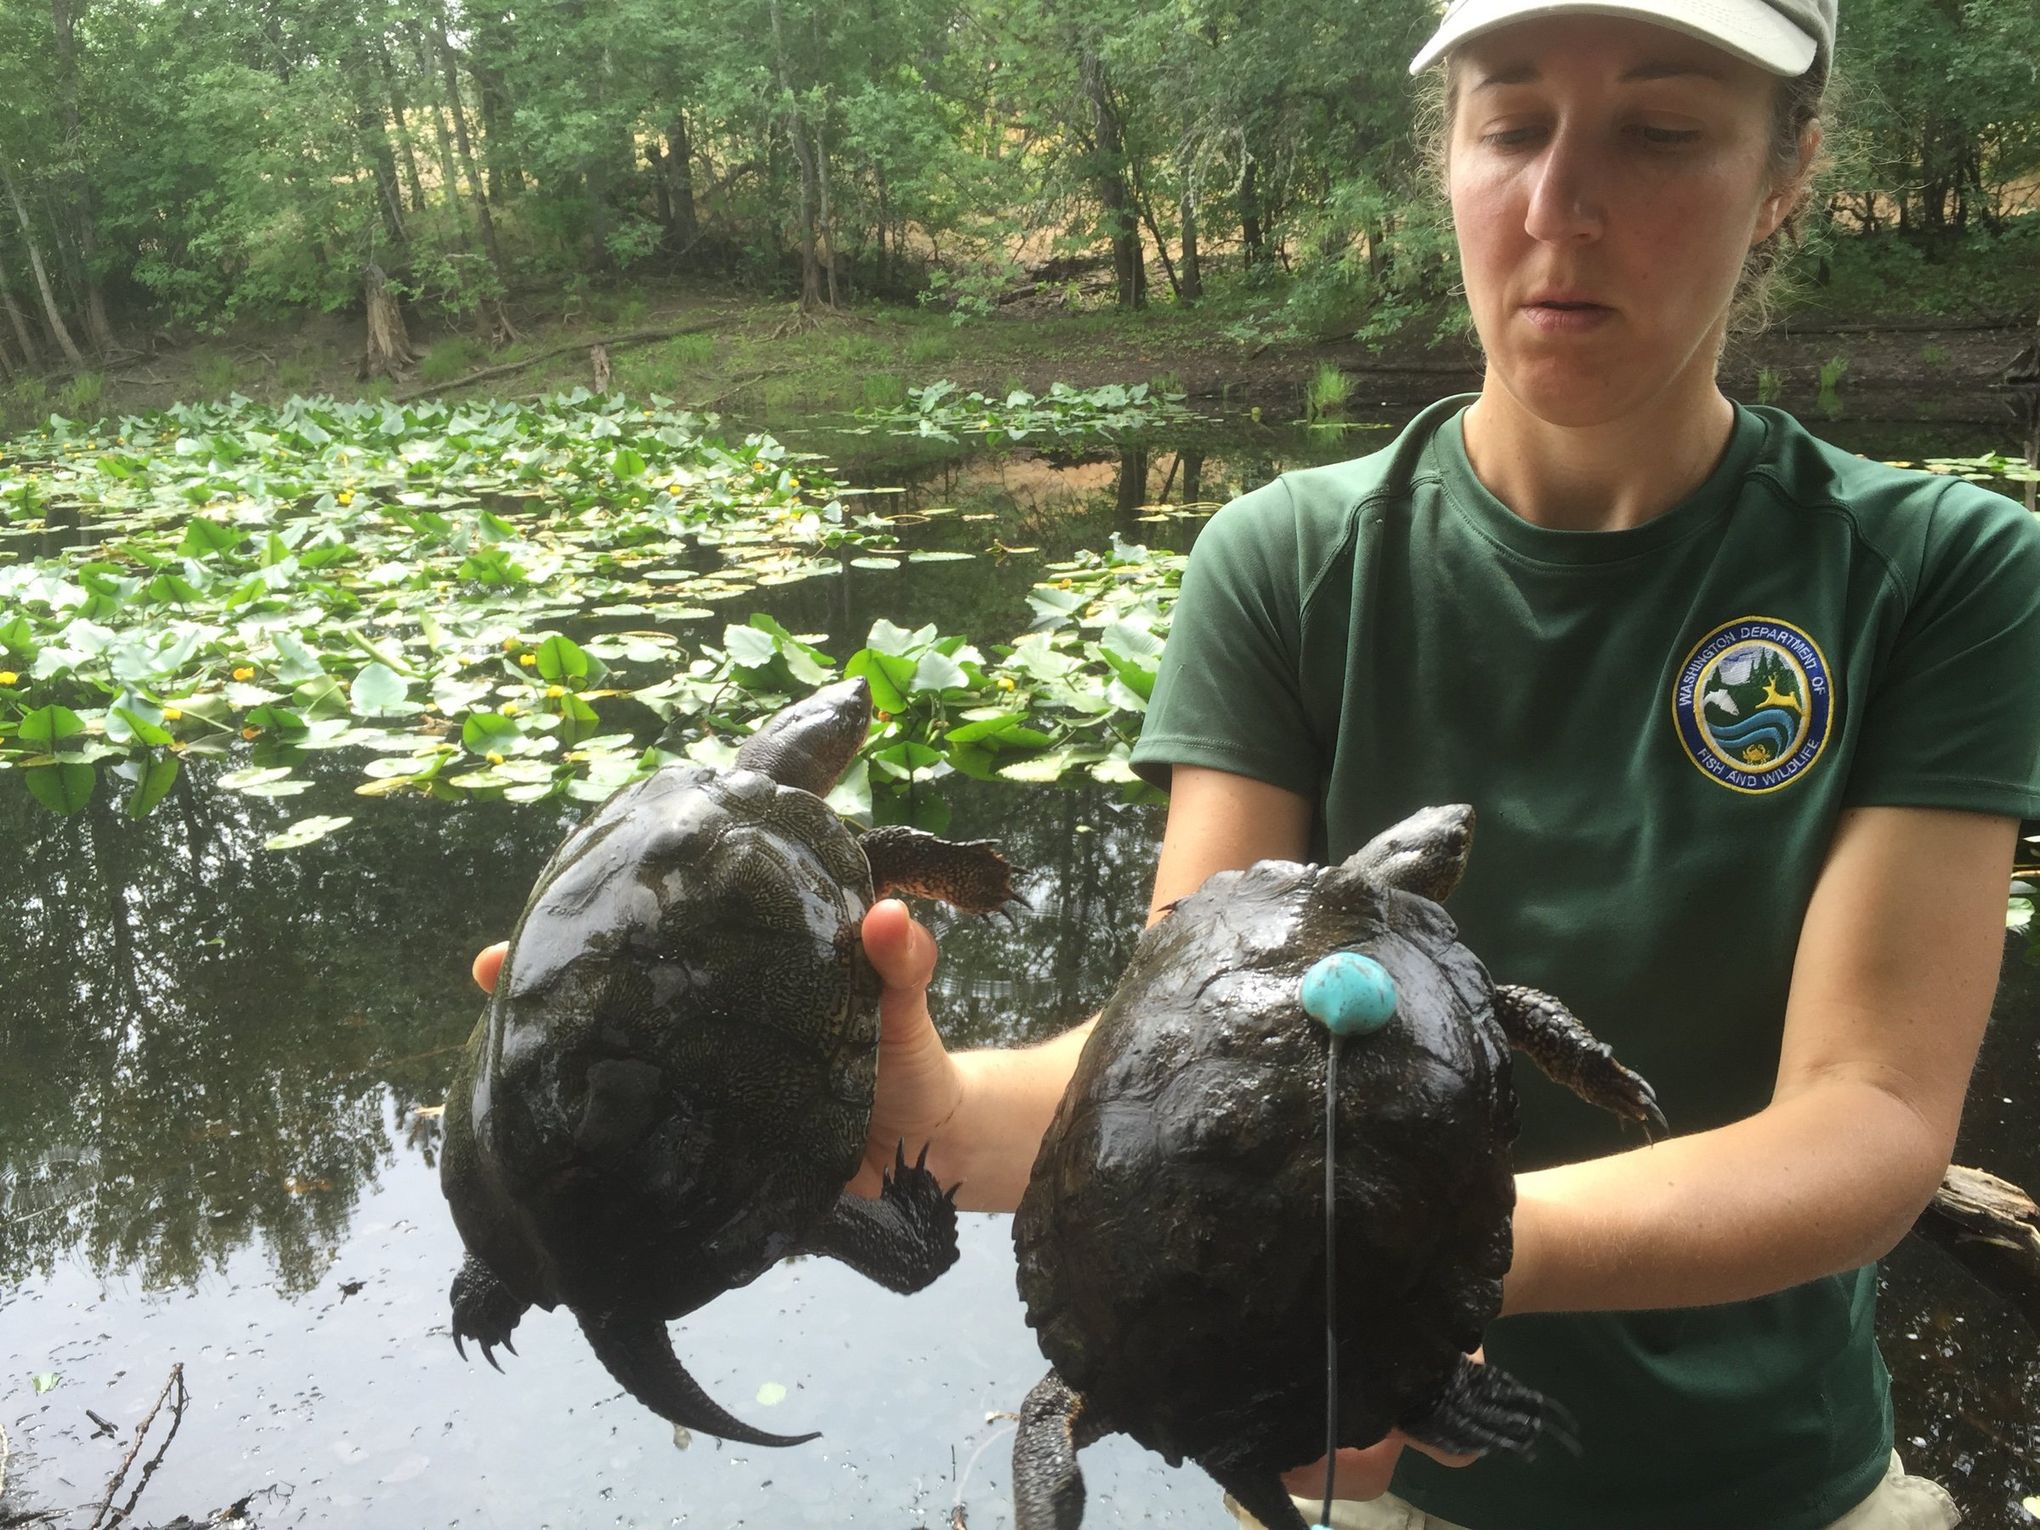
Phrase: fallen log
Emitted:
{"points": [[611, 343], [1992, 1228]]}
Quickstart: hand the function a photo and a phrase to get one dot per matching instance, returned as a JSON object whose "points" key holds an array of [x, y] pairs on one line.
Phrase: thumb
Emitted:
{"points": [[903, 955]]}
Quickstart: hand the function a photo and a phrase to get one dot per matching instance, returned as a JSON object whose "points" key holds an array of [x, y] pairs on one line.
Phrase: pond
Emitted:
{"points": [[213, 1155]]}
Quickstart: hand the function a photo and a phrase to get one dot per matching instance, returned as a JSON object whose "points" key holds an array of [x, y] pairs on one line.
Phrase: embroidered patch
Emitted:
{"points": [[1753, 703]]}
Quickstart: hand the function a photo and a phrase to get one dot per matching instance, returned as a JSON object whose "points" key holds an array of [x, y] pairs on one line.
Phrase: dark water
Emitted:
{"points": [[212, 1059]]}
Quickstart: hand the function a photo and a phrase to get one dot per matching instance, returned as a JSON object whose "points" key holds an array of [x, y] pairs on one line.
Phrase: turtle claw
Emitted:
{"points": [[489, 1355], [483, 1309]]}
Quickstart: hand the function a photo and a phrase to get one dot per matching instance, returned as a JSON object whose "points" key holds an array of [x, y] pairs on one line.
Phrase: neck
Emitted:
{"points": [[1602, 477]]}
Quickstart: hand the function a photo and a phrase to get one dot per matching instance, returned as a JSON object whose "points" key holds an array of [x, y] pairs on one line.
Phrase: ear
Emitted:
{"points": [[1785, 194]]}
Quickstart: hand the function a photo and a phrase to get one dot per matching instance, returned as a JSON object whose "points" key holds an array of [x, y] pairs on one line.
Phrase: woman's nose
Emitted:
{"points": [[1565, 200]]}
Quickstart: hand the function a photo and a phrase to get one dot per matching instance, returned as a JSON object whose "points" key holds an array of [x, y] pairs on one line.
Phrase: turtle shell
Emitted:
{"points": [[676, 1076], [1171, 1239]]}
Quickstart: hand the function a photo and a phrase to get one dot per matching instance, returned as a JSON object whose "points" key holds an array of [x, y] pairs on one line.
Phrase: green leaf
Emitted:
{"points": [[203, 538], [43, 1381], [306, 831], [47, 727], [155, 783], [562, 659], [379, 691], [749, 647], [62, 788], [938, 672], [481, 731], [130, 725]]}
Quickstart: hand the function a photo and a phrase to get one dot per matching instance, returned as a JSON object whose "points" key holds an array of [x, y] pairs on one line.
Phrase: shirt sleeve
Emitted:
{"points": [[1228, 693], [1954, 719]]}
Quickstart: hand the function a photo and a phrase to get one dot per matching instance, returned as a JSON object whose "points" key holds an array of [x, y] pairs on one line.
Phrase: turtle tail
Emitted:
{"points": [[638, 1353]]}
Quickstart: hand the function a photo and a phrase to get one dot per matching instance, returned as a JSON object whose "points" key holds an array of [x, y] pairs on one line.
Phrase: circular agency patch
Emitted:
{"points": [[1753, 703]]}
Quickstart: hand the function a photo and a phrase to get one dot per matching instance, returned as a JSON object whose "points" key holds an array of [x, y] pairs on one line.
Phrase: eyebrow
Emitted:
{"points": [[1524, 74]]}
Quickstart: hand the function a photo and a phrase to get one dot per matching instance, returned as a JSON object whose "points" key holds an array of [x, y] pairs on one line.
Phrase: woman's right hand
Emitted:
{"points": [[920, 1086]]}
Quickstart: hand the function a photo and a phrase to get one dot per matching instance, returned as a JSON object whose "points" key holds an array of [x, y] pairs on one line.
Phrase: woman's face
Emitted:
{"points": [[1607, 179]]}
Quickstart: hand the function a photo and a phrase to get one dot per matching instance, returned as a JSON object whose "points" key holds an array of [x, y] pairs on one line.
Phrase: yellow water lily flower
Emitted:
{"points": [[554, 692], [243, 672], [345, 496], [510, 645], [528, 660], [1005, 682], [509, 709], [493, 758], [9, 677], [251, 733], [173, 714]]}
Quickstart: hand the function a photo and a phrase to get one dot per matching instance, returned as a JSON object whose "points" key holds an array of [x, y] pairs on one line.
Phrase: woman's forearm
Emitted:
{"points": [[1821, 1181], [1009, 1097]]}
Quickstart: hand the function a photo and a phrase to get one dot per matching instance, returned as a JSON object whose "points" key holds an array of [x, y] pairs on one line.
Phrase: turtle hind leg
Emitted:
{"points": [[1048, 1487], [483, 1309], [968, 874], [903, 1239], [1257, 1491], [636, 1350], [1551, 1036], [1483, 1408]]}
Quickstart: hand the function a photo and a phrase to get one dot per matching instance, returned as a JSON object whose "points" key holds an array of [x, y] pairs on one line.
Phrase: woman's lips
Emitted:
{"points": [[1558, 317]]}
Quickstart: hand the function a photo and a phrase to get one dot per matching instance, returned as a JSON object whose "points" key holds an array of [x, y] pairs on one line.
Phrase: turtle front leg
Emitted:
{"points": [[1048, 1487], [483, 1309], [968, 874], [903, 1239], [1483, 1408], [1551, 1036]]}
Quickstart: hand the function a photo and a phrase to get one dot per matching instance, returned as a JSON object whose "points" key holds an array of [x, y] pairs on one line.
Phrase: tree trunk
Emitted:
{"points": [[449, 178], [386, 347], [1109, 173], [803, 153], [407, 150], [1252, 249], [1192, 287], [680, 181], [828, 211], [375, 143], [505, 174], [502, 332], [63, 21], [54, 319], [29, 349]]}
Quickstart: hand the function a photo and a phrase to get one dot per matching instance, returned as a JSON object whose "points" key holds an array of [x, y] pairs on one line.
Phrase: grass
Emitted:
{"points": [[1832, 371], [1326, 393], [1770, 385], [449, 359], [1933, 354], [884, 390], [81, 396], [216, 373], [1165, 383], [923, 349]]}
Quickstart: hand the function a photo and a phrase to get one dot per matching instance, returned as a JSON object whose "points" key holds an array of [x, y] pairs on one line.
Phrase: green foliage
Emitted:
{"points": [[216, 373], [450, 359], [884, 390], [1832, 371], [1326, 392], [940, 412], [1770, 385]]}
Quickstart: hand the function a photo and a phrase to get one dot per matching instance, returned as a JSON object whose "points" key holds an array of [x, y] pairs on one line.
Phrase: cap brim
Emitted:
{"points": [[1748, 29]]}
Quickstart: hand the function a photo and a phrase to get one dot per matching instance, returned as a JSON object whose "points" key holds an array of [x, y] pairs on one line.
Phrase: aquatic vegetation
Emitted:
{"points": [[257, 586], [943, 413]]}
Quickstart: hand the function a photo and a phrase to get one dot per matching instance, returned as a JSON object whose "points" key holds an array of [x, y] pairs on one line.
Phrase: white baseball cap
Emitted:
{"points": [[1782, 36]]}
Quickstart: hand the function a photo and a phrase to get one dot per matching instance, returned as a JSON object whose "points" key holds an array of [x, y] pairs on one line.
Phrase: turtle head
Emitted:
{"points": [[808, 744], [1425, 854]]}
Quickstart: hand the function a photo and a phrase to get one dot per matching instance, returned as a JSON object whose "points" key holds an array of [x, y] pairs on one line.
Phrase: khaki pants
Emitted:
{"points": [[1899, 1503]]}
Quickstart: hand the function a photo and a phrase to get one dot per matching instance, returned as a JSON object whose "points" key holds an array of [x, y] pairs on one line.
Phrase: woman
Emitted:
{"points": [[1748, 724]]}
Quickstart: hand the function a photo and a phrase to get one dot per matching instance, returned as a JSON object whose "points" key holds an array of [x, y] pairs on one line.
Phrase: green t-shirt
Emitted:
{"points": [[1657, 728]]}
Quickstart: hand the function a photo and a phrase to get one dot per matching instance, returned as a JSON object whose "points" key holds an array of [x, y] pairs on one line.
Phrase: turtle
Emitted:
{"points": [[1171, 1239], [672, 1082]]}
